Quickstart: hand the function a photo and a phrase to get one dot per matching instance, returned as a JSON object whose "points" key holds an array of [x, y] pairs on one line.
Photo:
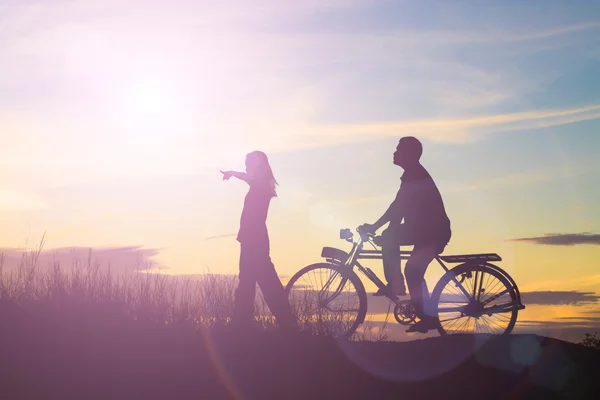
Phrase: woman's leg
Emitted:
{"points": [[243, 311], [273, 291]]}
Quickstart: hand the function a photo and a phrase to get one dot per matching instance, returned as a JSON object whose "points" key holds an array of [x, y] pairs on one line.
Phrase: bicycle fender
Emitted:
{"points": [[331, 253]]}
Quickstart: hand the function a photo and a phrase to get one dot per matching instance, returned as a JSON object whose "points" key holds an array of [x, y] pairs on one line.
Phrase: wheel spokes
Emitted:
{"points": [[476, 301], [325, 300]]}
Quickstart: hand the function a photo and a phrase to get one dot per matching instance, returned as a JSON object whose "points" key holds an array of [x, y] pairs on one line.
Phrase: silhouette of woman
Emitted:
{"points": [[255, 261]]}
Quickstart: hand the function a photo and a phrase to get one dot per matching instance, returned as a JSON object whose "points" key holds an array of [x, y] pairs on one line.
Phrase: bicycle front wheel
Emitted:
{"points": [[328, 299], [475, 299]]}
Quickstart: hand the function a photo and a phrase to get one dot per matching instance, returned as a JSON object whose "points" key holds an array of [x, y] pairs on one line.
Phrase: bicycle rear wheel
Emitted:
{"points": [[328, 299], [475, 299]]}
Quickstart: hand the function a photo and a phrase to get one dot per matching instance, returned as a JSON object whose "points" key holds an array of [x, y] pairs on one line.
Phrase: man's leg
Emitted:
{"points": [[243, 311], [415, 269], [273, 292], [390, 251]]}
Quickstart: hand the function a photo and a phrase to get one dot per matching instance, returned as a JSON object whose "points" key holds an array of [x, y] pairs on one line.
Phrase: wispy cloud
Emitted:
{"points": [[563, 239], [539, 34], [523, 178], [460, 129], [586, 282], [118, 259], [288, 119], [378, 306], [227, 235], [559, 297]]}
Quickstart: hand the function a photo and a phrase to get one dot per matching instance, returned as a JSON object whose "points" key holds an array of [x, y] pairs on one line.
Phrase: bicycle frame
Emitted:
{"points": [[470, 268], [358, 253]]}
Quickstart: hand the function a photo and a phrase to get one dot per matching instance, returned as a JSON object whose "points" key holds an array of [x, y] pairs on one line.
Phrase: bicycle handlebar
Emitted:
{"points": [[346, 234], [365, 236]]}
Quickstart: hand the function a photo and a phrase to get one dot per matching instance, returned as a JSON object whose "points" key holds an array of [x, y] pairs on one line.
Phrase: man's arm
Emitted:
{"points": [[394, 210], [384, 219]]}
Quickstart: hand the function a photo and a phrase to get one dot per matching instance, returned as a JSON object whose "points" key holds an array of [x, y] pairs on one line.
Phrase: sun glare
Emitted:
{"points": [[151, 121], [152, 114], [150, 102]]}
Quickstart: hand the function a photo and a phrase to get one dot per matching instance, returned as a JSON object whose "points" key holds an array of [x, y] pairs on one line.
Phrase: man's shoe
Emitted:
{"points": [[423, 326]]}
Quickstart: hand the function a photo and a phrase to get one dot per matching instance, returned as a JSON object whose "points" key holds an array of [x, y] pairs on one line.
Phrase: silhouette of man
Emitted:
{"points": [[416, 217]]}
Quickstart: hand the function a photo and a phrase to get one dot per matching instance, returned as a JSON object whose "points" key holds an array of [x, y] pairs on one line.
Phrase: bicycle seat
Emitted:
{"points": [[462, 258]]}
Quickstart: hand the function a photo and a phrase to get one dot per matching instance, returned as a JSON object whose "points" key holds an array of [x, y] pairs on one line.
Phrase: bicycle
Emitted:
{"points": [[474, 296]]}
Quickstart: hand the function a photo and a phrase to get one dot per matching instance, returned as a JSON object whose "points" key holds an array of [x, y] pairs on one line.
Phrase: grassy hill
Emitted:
{"points": [[85, 333], [96, 355]]}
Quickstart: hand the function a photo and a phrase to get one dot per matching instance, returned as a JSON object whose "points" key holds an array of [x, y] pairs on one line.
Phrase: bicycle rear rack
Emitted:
{"points": [[464, 258]]}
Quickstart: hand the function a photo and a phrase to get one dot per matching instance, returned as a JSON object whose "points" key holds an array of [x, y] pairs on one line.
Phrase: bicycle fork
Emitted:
{"points": [[336, 292]]}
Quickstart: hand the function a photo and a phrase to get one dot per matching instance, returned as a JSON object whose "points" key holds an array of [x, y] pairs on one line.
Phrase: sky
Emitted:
{"points": [[116, 118]]}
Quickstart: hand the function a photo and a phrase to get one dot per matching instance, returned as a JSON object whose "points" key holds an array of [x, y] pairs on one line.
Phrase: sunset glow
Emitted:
{"points": [[116, 117]]}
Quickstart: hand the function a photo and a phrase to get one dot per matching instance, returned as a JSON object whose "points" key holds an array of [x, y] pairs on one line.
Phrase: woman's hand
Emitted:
{"points": [[240, 175], [227, 175]]}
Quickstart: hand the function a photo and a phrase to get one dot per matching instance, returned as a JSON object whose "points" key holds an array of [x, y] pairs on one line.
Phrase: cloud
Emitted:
{"points": [[286, 114], [459, 129], [563, 239], [558, 298], [546, 298], [586, 282], [523, 178], [539, 34], [119, 259], [503, 182], [227, 235]]}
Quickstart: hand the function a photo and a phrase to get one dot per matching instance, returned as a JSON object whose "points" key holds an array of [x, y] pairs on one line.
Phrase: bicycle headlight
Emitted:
{"points": [[346, 234]]}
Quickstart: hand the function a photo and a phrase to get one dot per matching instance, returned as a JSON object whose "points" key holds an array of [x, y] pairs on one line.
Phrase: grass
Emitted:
{"points": [[83, 331], [591, 340], [86, 287]]}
